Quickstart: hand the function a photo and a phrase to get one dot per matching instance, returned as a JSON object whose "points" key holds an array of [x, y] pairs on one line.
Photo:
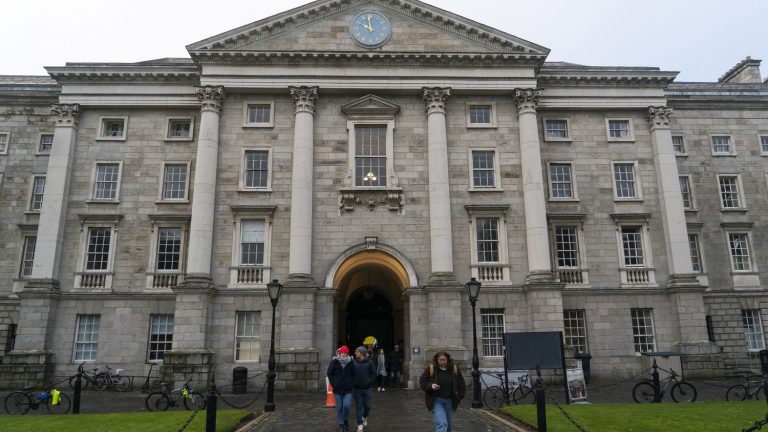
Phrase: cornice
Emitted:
{"points": [[125, 74], [579, 80]]}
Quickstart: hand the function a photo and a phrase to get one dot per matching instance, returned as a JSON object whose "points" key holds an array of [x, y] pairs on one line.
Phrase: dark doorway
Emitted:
{"points": [[370, 314]]}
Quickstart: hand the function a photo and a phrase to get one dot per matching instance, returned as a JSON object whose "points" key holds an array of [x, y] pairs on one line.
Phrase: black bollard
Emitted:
{"points": [[210, 407], [541, 408], [78, 389], [656, 386]]}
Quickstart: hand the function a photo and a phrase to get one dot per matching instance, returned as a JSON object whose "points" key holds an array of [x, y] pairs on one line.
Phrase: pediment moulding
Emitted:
{"points": [[370, 105]]}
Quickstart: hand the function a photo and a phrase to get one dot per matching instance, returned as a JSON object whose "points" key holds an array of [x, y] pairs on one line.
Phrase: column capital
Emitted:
{"points": [[436, 98], [66, 114], [210, 98], [526, 99], [304, 97], [658, 117]]}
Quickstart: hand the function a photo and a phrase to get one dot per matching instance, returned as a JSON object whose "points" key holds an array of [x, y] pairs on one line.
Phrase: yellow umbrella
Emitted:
{"points": [[370, 341]]}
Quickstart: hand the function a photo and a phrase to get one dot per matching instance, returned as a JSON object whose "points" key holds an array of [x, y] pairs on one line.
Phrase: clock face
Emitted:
{"points": [[370, 29]]}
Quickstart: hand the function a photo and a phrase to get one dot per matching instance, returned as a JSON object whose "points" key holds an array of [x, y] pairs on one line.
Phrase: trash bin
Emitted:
{"points": [[239, 380], [584, 357]]}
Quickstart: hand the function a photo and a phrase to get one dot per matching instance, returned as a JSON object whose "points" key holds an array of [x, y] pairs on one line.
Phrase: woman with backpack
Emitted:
{"points": [[444, 389]]}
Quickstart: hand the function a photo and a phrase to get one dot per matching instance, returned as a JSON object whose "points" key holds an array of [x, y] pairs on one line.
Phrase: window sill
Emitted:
{"points": [[481, 126], [733, 210], [724, 155], [43, 154], [184, 201], [490, 189], [176, 140], [631, 200], [31, 212], [258, 125], [93, 201], [254, 190], [681, 154], [691, 210], [621, 140], [111, 138], [560, 140], [563, 199]]}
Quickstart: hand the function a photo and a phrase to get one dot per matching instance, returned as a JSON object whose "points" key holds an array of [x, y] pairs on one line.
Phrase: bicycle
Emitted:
{"points": [[740, 392], [19, 402], [111, 380], [680, 390], [87, 378], [521, 392], [162, 400]]}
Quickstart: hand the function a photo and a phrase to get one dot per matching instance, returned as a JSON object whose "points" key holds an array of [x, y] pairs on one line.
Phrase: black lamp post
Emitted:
{"points": [[473, 290], [274, 289]]}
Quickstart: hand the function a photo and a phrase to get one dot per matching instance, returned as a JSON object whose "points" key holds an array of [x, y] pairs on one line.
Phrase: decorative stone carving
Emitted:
{"points": [[305, 98], [371, 242], [658, 117], [392, 198], [526, 99], [436, 98], [210, 98], [66, 114]]}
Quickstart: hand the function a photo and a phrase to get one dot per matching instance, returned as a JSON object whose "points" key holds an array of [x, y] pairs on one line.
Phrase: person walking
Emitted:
{"points": [[444, 389], [365, 372], [341, 375], [395, 365], [381, 369]]}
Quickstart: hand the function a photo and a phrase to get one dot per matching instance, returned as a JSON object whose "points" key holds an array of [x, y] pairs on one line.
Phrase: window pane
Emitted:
{"points": [[642, 330], [160, 336], [764, 143], [560, 178], [624, 175], [28, 256], [106, 181], [371, 156], [480, 114], [259, 113], [87, 337], [739, 246], [113, 128], [487, 240], [492, 325], [252, 242], [677, 144], [38, 190], [721, 144], [179, 129], [575, 329], [97, 256], [685, 190], [46, 142], [753, 329], [729, 191], [256, 168], [567, 245], [693, 243], [482, 169], [632, 243], [557, 129], [248, 329], [175, 181], [169, 249], [618, 128]]}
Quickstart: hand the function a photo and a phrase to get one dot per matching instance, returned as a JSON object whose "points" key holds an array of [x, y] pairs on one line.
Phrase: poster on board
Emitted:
{"points": [[577, 389]]}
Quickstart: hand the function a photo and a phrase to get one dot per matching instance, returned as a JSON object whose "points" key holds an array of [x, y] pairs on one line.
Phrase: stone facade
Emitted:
{"points": [[400, 250]]}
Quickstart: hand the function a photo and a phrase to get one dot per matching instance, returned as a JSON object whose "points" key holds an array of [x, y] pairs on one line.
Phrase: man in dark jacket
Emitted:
{"points": [[395, 365], [365, 373], [341, 375], [444, 388]]}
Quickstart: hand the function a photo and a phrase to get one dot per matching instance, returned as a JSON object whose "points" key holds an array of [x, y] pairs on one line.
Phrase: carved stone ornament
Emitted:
{"points": [[436, 98], [371, 198], [305, 98], [526, 99], [658, 117], [210, 98], [66, 114]]}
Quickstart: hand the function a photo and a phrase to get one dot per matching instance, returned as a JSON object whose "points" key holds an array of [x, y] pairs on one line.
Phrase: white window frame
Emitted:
{"points": [[238, 270], [491, 124], [691, 196], [242, 184], [496, 172], [26, 241], [739, 190], [682, 143], [390, 146], [40, 136], [171, 119], [87, 337], [639, 331], [83, 276], [637, 181], [574, 191], [94, 182], [249, 103], [33, 195], [751, 261], [161, 187], [731, 146], [575, 320], [630, 125], [762, 143], [240, 315], [102, 124], [5, 142], [694, 245], [491, 333], [752, 323], [159, 222], [159, 345], [578, 275], [635, 274], [500, 270], [547, 137]]}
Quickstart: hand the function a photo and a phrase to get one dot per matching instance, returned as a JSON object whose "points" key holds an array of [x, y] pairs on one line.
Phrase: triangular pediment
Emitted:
{"points": [[370, 106], [323, 27]]}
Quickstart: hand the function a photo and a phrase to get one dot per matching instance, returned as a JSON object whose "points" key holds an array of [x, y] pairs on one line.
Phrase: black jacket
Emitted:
{"points": [[364, 373], [429, 377], [341, 378], [395, 361]]}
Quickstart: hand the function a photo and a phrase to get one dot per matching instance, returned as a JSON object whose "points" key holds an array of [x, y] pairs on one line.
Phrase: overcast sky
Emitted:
{"points": [[700, 38]]}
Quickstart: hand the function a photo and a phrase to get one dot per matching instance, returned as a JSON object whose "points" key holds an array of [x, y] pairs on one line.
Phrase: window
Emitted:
{"points": [[258, 114], [38, 190], [556, 130], [492, 323], [763, 144], [619, 129], [166, 262], [160, 336], [642, 330], [710, 329], [481, 115], [730, 191], [678, 145], [753, 329], [561, 181], [738, 244], [685, 191], [10, 342], [568, 257], [566, 247], [106, 185], [635, 254], [169, 242], [87, 337], [721, 145], [632, 246], [97, 248], [27, 256], [175, 181], [97, 257], [575, 329], [256, 175], [370, 155], [696, 261], [487, 239], [252, 242], [251, 246], [179, 129], [46, 143], [247, 343], [488, 236], [113, 128], [5, 138], [625, 185], [484, 171]]}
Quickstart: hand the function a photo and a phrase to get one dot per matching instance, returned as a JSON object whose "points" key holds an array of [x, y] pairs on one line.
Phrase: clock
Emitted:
{"points": [[370, 29]]}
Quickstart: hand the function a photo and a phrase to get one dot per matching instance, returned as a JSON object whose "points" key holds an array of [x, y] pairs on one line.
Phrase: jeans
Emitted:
{"points": [[394, 379], [442, 414], [343, 403], [363, 400]]}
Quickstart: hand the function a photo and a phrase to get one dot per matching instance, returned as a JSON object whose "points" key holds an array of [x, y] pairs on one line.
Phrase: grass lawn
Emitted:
{"points": [[697, 417], [226, 420]]}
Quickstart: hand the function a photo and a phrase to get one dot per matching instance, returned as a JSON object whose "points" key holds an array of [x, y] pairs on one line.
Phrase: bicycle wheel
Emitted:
{"points": [[60, 408], [643, 392], [736, 393], [195, 401], [683, 392], [493, 397], [157, 402], [83, 382], [121, 383], [17, 403], [102, 382], [524, 395]]}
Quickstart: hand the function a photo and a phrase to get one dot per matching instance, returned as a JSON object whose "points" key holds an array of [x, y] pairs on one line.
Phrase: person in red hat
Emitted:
{"points": [[341, 375]]}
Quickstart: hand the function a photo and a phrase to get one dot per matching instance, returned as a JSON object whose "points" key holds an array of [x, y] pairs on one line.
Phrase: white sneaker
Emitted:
{"points": [[360, 428], [365, 421], [383, 389]]}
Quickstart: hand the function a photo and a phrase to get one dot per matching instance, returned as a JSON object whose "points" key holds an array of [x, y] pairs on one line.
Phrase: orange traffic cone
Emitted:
{"points": [[330, 401]]}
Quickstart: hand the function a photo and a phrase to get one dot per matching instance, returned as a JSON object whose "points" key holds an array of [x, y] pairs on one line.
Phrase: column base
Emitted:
{"points": [[442, 279], [39, 287], [684, 282], [196, 281], [542, 280], [544, 297], [23, 368], [300, 280], [701, 359], [180, 365]]}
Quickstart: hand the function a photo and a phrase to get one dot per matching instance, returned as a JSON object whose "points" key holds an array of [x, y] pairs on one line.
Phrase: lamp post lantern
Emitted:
{"points": [[473, 291], [273, 288]]}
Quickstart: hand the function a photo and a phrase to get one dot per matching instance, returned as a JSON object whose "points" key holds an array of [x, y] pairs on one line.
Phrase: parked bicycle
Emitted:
{"points": [[162, 400], [86, 378], [20, 402], [519, 393], [113, 380], [753, 387], [680, 390]]}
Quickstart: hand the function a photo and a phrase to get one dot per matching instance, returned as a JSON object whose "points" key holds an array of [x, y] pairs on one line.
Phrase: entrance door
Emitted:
{"points": [[370, 314]]}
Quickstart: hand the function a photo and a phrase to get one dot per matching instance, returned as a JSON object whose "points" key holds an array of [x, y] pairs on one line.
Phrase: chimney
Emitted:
{"points": [[746, 71]]}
